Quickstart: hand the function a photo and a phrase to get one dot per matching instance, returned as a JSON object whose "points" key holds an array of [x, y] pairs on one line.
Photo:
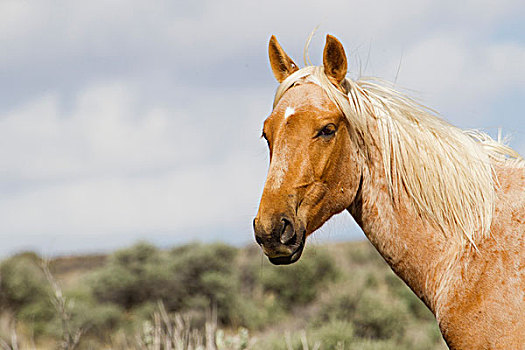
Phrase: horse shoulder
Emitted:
{"points": [[485, 305]]}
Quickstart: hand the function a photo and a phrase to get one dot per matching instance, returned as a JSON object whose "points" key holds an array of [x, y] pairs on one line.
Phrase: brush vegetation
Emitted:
{"points": [[212, 296]]}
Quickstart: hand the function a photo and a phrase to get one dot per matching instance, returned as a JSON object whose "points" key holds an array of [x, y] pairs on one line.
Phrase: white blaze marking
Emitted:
{"points": [[278, 169], [288, 112], [279, 164]]}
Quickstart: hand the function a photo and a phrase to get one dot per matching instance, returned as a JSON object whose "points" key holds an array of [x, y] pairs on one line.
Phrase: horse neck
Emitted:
{"points": [[414, 249]]}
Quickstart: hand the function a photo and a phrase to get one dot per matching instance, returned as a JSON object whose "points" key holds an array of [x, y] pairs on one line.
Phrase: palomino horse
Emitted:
{"points": [[444, 207]]}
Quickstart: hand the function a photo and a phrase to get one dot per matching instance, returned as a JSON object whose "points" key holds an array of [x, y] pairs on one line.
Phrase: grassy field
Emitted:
{"points": [[339, 296]]}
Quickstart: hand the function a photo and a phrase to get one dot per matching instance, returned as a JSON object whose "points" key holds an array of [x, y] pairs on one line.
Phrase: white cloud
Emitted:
{"points": [[105, 131], [197, 197], [205, 31], [110, 165], [453, 70]]}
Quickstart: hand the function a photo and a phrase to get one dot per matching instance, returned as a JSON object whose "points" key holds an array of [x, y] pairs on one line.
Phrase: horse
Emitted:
{"points": [[445, 207]]}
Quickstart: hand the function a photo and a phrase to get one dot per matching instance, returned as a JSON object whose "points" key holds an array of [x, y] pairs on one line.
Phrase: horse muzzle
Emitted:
{"points": [[281, 239]]}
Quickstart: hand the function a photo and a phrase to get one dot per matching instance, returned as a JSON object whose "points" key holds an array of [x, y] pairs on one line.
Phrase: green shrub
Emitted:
{"points": [[339, 303], [298, 283], [370, 344], [283, 340], [192, 262], [22, 282], [132, 276], [333, 335], [378, 316], [415, 305], [205, 276], [97, 319], [364, 253], [39, 316], [191, 277]]}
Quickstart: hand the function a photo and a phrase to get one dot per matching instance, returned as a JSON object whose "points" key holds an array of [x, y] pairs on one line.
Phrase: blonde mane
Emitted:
{"points": [[446, 172]]}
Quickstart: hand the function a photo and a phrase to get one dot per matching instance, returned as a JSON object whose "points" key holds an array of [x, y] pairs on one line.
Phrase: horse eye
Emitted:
{"points": [[328, 130]]}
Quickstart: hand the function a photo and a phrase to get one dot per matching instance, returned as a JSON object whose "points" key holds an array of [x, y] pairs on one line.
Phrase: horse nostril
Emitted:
{"points": [[287, 232], [258, 240]]}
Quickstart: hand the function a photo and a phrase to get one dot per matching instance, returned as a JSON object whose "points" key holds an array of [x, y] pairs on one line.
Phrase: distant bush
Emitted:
{"points": [[333, 335], [29, 293], [205, 276], [97, 319], [370, 344], [377, 316], [299, 283], [203, 270], [39, 316], [339, 303], [132, 276], [364, 254], [22, 282], [191, 277], [374, 312], [416, 307], [197, 277]]}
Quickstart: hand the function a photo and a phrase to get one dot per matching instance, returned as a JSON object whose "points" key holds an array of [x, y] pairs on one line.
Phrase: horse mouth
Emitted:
{"points": [[289, 259]]}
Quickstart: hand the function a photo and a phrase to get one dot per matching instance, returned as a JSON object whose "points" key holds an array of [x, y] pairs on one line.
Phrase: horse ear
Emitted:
{"points": [[282, 65], [334, 59]]}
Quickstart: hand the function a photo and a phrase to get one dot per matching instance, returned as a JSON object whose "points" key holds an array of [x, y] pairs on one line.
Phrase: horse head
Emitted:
{"points": [[313, 172]]}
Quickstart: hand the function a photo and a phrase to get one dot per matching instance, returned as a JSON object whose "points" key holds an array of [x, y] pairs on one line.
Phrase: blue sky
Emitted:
{"points": [[126, 120]]}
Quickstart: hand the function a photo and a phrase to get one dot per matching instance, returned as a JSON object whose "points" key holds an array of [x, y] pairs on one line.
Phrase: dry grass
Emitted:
{"points": [[175, 332], [70, 334]]}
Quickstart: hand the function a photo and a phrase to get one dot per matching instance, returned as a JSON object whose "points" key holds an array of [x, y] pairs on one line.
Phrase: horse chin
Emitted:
{"points": [[286, 260], [290, 259]]}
